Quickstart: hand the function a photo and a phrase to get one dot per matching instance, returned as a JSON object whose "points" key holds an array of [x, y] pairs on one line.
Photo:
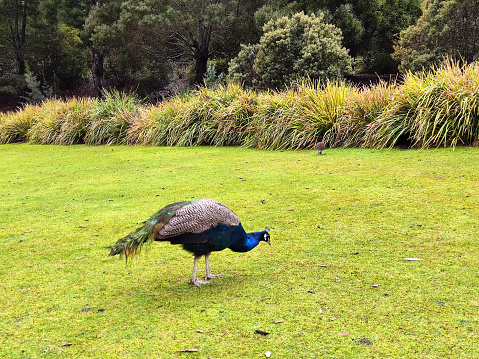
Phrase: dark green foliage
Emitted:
{"points": [[133, 36], [445, 29], [369, 27], [291, 48]]}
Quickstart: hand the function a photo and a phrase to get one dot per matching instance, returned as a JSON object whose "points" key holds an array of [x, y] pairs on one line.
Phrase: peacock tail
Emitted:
{"points": [[133, 242]]}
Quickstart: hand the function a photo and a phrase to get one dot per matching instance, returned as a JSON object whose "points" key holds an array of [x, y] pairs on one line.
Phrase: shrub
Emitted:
{"points": [[294, 47]]}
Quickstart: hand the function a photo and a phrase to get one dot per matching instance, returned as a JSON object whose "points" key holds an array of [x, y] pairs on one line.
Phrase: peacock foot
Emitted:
{"points": [[198, 282], [213, 276]]}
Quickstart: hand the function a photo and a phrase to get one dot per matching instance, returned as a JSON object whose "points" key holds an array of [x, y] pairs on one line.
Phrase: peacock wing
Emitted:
{"points": [[197, 217]]}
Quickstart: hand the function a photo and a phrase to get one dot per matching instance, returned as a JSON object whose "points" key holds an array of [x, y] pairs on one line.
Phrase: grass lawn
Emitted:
{"points": [[333, 284]]}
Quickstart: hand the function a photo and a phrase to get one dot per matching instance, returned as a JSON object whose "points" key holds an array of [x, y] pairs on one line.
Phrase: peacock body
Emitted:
{"points": [[200, 226]]}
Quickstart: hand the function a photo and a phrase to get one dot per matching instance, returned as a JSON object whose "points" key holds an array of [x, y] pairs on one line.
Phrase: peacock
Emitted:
{"points": [[202, 226]]}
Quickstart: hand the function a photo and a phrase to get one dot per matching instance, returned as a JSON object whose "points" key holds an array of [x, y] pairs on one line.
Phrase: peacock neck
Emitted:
{"points": [[246, 242]]}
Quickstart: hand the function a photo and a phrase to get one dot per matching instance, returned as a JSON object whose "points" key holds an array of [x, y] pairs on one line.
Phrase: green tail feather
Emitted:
{"points": [[132, 243]]}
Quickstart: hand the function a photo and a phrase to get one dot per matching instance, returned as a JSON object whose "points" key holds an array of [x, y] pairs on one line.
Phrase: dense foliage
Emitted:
{"points": [[436, 108], [290, 48], [54, 46], [445, 29], [144, 44]]}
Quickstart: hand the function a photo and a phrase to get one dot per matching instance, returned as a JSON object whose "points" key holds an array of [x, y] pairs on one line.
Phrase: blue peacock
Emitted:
{"points": [[201, 226]]}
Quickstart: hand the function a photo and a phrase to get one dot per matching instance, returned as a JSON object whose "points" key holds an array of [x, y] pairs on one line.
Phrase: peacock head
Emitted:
{"points": [[265, 237]]}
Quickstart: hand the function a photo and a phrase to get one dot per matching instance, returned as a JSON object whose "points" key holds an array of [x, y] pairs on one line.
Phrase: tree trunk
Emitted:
{"points": [[18, 35], [202, 54], [97, 59], [201, 65]]}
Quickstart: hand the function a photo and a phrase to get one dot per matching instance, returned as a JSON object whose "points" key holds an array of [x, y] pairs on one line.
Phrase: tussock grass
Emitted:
{"points": [[62, 122], [111, 118], [436, 108], [14, 127], [343, 222], [432, 109], [360, 113]]}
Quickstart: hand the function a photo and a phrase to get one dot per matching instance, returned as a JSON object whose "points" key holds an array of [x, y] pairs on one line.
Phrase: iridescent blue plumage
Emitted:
{"points": [[201, 226]]}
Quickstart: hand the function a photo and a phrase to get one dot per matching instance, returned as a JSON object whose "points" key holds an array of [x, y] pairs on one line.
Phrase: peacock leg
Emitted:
{"points": [[195, 280], [208, 274]]}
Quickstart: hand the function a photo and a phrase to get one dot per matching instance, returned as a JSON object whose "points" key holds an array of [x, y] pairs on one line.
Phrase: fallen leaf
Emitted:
{"points": [[262, 332], [192, 350], [66, 344], [344, 334], [277, 321], [81, 258], [199, 331], [412, 259]]}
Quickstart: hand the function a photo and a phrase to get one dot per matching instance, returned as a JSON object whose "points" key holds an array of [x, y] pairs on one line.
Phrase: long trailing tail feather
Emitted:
{"points": [[131, 244]]}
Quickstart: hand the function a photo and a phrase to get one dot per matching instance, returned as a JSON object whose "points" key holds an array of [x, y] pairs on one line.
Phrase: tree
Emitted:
{"points": [[14, 17], [57, 55], [445, 29], [368, 26], [32, 35], [290, 48], [143, 39], [208, 28], [132, 36]]}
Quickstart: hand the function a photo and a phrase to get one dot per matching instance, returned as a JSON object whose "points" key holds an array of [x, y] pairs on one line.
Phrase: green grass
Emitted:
{"points": [[342, 223]]}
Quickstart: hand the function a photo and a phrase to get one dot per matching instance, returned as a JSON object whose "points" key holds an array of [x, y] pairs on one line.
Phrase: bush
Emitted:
{"points": [[445, 29], [291, 48]]}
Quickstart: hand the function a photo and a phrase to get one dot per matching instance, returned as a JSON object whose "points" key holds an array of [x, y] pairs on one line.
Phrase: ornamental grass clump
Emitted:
{"points": [[431, 109], [271, 126], [319, 109], [14, 127], [362, 107], [62, 122], [232, 121], [111, 118]]}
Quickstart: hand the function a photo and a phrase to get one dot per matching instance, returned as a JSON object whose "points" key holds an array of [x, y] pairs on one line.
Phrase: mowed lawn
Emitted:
{"points": [[333, 284]]}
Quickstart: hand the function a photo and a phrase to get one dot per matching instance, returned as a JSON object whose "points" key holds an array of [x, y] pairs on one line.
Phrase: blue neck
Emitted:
{"points": [[247, 241]]}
